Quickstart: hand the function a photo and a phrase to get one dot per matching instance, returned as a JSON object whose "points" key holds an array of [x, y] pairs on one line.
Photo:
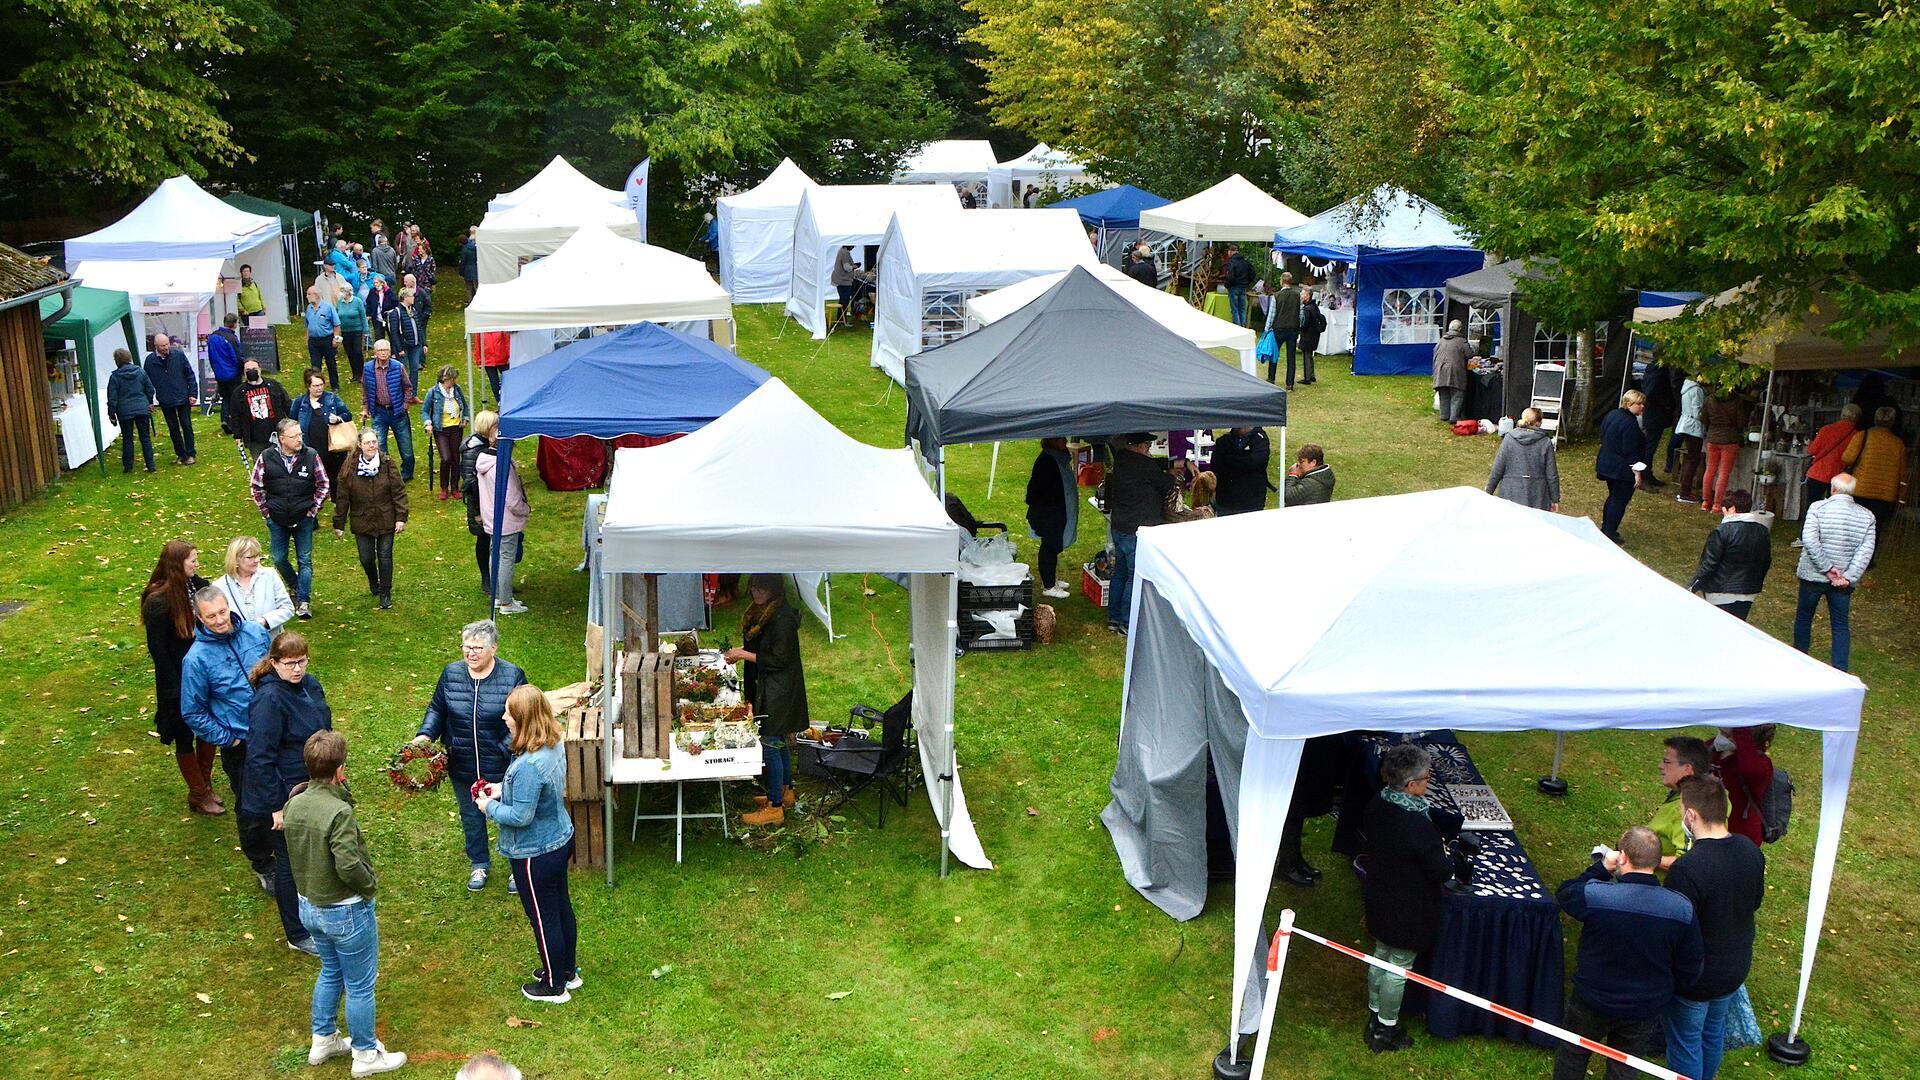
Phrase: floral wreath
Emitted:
{"points": [[400, 768]]}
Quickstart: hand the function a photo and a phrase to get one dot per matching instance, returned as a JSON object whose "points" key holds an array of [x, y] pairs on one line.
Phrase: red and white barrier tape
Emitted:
{"points": [[1608, 1052]]}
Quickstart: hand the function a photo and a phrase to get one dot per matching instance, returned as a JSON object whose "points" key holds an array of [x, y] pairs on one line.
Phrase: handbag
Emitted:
{"points": [[342, 436], [1268, 351]]}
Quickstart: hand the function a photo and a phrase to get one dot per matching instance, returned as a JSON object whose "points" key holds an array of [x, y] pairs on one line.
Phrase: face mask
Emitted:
{"points": [[254, 376]]}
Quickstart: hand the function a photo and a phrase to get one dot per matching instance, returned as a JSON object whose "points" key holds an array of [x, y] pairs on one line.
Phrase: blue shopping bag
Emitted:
{"points": [[1268, 351]]}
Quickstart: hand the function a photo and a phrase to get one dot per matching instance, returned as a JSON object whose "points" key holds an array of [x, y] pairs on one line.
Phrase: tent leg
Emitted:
{"points": [[1551, 784], [993, 469], [953, 751], [1283, 461], [466, 341]]}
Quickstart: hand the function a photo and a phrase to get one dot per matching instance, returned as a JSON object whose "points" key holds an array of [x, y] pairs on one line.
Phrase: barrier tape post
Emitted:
{"points": [[1276, 962], [1475, 1000]]}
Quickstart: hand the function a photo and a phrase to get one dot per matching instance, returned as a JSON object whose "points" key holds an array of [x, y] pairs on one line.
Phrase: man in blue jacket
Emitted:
{"points": [[214, 697], [223, 356], [468, 713], [173, 381], [1639, 948]]}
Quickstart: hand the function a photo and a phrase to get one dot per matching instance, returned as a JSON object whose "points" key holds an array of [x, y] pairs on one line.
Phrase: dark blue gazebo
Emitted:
{"points": [[1115, 212], [642, 379]]}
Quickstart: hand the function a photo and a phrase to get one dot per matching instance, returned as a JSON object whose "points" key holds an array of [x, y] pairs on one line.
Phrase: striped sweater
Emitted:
{"points": [[1837, 535]]}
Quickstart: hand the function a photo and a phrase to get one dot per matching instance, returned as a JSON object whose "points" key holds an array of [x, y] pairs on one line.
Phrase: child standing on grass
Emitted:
{"points": [[130, 406], [334, 876]]}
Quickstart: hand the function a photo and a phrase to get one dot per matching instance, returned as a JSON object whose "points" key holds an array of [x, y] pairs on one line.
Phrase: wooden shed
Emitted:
{"points": [[29, 460]]}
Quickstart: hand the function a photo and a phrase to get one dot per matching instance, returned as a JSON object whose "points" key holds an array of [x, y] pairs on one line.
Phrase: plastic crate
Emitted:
{"points": [[991, 597], [1094, 587], [973, 634]]}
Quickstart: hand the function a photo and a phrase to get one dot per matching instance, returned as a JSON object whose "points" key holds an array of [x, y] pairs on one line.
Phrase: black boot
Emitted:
{"points": [[1297, 874]]}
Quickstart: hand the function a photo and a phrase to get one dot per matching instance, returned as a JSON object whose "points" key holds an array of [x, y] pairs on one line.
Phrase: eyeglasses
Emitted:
{"points": [[469, 647], [293, 661]]}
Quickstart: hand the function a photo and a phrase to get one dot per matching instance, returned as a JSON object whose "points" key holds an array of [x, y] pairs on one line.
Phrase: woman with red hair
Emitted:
{"points": [[166, 610]]}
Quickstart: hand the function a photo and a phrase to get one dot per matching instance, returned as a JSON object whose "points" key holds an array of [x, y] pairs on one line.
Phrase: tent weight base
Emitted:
{"points": [[1788, 1051], [1225, 1068], [1554, 786]]}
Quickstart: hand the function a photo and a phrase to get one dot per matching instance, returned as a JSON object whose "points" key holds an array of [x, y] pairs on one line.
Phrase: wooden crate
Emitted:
{"points": [[632, 703], [584, 749], [663, 706], [589, 833]]}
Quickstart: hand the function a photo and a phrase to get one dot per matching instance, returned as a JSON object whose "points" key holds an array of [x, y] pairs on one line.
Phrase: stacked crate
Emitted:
{"points": [[586, 791]]}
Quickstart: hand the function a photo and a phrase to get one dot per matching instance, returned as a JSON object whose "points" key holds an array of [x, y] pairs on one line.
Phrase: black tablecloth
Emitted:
{"points": [[1502, 940], [1486, 395]]}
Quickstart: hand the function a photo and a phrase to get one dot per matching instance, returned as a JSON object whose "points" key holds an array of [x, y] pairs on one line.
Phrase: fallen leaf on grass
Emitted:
{"points": [[659, 971], [516, 1022], [1032, 812], [204, 999], [838, 994], [98, 970], [1104, 1034]]}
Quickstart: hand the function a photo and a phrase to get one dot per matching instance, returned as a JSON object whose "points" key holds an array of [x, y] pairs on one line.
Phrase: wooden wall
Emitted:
{"points": [[28, 462]]}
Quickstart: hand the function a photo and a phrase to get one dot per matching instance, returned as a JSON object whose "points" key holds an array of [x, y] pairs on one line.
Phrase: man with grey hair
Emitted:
{"points": [[1836, 547], [1450, 357], [289, 485], [176, 388], [1640, 946], [467, 714], [487, 1067]]}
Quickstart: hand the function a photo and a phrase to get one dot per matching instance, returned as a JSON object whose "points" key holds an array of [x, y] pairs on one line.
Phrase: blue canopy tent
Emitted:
{"points": [[643, 379], [1402, 250], [1115, 213]]}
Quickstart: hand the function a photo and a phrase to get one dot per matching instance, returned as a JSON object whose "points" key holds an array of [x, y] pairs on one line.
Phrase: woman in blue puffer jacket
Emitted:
{"points": [[288, 705], [467, 714], [536, 836]]}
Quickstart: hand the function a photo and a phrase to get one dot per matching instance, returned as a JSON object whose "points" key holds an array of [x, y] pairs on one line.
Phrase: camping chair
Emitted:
{"points": [[854, 762], [964, 518]]}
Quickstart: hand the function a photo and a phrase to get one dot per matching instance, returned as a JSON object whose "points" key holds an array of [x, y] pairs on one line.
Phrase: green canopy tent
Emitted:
{"points": [[293, 222], [93, 313]]}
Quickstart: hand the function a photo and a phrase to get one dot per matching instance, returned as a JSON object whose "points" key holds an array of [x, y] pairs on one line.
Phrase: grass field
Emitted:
{"points": [[135, 944]]}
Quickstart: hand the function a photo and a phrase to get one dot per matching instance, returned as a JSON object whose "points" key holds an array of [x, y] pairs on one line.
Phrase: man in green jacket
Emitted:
{"points": [[334, 877], [1310, 479]]}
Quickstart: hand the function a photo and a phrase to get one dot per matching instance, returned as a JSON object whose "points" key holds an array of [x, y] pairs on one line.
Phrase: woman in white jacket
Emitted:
{"points": [[1688, 432], [254, 595]]}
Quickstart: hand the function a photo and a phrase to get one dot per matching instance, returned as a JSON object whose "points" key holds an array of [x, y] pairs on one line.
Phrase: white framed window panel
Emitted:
{"points": [[1553, 347], [943, 315], [1412, 316], [1483, 324]]}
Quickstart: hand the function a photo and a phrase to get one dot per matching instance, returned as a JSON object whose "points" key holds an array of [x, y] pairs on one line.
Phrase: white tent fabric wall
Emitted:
{"points": [[165, 293], [1231, 210], [1042, 167], [509, 239], [734, 497], [832, 217], [1372, 643], [1386, 218], [956, 257], [600, 278], [1204, 330], [76, 436], [756, 236], [947, 161], [558, 181], [180, 220]]}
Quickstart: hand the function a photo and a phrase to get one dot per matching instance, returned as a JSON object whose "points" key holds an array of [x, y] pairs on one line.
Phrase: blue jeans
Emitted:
{"points": [[413, 358], [473, 823], [1839, 603], [349, 942], [401, 425], [1697, 1035], [1120, 592], [299, 583], [773, 753], [1237, 306]]}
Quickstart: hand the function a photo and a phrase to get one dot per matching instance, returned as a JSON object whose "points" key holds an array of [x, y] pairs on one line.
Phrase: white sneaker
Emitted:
{"points": [[515, 608], [1058, 592], [328, 1046], [377, 1060]]}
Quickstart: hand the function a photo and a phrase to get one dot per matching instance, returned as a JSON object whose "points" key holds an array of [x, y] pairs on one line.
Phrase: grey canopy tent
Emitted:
{"points": [[1081, 360], [1497, 288]]}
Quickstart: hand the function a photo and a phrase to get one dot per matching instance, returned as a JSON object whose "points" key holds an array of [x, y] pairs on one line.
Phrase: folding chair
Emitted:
{"points": [[855, 763]]}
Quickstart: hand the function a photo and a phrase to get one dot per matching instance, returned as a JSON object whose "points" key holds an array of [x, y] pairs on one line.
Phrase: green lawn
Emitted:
{"points": [[135, 944]]}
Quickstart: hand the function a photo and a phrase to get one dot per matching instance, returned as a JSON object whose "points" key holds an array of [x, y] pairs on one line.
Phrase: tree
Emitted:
{"points": [[1670, 144], [931, 36], [110, 93]]}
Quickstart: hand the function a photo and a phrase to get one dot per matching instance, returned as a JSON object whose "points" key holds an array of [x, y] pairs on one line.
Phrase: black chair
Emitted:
{"points": [[854, 763], [964, 518]]}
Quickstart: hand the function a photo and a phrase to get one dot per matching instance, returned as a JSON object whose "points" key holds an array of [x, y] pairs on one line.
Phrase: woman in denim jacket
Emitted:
{"points": [[536, 836]]}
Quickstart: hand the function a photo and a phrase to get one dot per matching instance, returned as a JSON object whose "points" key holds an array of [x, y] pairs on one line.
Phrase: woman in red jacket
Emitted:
{"points": [[1828, 451], [1740, 757]]}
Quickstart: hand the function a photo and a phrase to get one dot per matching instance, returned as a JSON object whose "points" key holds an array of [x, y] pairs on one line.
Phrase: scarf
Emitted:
{"points": [[1411, 803], [756, 617], [368, 467]]}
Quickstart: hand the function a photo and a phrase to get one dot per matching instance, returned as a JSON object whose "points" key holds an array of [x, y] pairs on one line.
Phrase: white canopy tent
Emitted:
{"points": [[1372, 641], [180, 221], [949, 161], [1042, 167], [1231, 210], [830, 218], [166, 295], [559, 180], [511, 238], [1204, 330], [756, 235], [735, 496], [932, 264]]}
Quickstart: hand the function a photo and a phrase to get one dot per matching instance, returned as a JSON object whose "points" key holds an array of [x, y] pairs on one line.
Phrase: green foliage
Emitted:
{"points": [[110, 93], [1671, 144]]}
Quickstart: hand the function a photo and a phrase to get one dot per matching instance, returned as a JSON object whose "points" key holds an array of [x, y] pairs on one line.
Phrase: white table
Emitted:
{"points": [[715, 766]]}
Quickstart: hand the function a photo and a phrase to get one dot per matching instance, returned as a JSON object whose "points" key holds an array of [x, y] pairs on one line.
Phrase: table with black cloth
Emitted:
{"points": [[1486, 395], [1502, 940]]}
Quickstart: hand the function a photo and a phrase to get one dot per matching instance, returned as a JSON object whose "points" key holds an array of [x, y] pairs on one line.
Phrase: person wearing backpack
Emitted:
{"points": [[1761, 794]]}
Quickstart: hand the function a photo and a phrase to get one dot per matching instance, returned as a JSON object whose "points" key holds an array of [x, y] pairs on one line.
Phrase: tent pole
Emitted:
{"points": [[609, 600], [1766, 421], [473, 389], [953, 751], [1551, 784], [503, 461], [1283, 461], [993, 468]]}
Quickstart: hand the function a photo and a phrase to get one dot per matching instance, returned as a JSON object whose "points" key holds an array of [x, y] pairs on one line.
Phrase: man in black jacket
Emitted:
{"points": [[252, 411], [173, 381], [1283, 318], [1238, 279], [1725, 876], [289, 485], [1736, 559], [1141, 267], [1662, 387], [1639, 948], [1240, 466], [1138, 491]]}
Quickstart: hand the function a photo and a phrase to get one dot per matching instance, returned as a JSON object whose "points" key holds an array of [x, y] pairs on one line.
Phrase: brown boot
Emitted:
{"points": [[199, 796], [771, 815], [205, 754], [761, 802]]}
